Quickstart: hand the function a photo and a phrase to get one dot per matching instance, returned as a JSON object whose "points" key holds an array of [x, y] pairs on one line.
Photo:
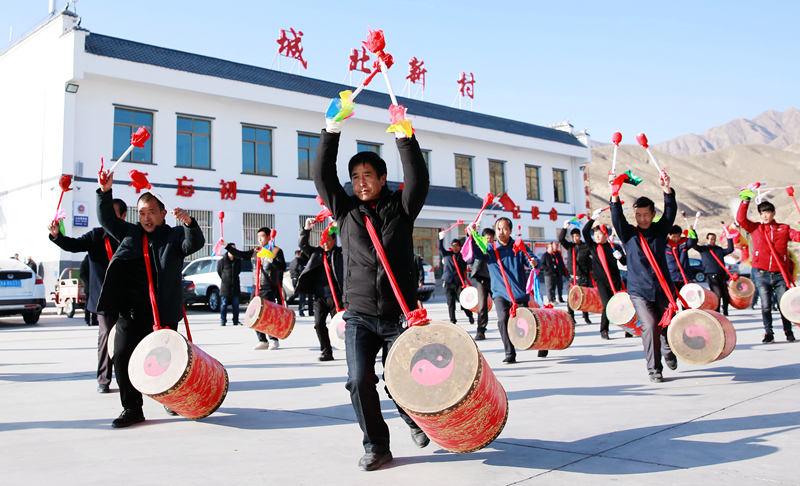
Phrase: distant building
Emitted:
{"points": [[72, 97]]}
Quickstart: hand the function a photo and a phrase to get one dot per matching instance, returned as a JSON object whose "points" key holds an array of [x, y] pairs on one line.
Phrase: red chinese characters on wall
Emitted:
{"points": [[416, 72], [535, 212], [267, 194], [467, 86], [363, 58], [184, 190], [228, 190], [553, 215], [291, 47]]}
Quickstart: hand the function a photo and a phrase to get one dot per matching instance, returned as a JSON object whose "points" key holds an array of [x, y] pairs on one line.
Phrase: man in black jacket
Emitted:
{"points": [[716, 275], [373, 313], [88, 316], [455, 272], [647, 295], [579, 262], [296, 267], [100, 247], [270, 279], [601, 251], [126, 290], [228, 269], [550, 270], [483, 282], [314, 280]]}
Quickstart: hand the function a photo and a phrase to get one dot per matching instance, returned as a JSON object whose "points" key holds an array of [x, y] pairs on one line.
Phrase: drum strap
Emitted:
{"points": [[678, 261], [330, 280], [574, 267], [789, 283], [512, 312], [146, 251], [458, 270], [186, 323], [109, 251], [733, 276], [258, 272], [417, 316], [601, 254], [666, 319]]}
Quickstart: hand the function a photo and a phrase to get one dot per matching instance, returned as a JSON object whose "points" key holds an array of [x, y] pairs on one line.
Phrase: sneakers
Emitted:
{"points": [[262, 345], [627, 335], [223, 324], [129, 416], [170, 411], [510, 360], [326, 357], [420, 439], [480, 336], [586, 320], [672, 363], [106, 389], [768, 338], [656, 377], [235, 323], [374, 460], [471, 320], [790, 336], [542, 353], [604, 335], [273, 345]]}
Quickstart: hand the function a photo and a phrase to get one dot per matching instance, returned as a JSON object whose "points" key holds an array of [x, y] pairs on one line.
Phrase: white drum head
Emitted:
{"points": [[336, 330], [159, 362]]}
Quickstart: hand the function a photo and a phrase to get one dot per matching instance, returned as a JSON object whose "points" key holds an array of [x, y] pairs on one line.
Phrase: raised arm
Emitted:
{"points": [[304, 243], [587, 233], [624, 229], [729, 249], [562, 238], [108, 219], [193, 238], [72, 245], [416, 180], [241, 255], [444, 252], [741, 217], [325, 177]]}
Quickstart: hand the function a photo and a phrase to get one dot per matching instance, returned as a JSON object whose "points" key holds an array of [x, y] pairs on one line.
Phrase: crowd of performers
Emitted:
{"points": [[369, 275]]}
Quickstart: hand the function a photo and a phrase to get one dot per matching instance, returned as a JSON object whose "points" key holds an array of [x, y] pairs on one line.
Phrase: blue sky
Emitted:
{"points": [[663, 68]]}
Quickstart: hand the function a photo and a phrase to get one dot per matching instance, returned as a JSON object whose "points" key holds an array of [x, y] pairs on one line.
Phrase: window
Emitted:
{"points": [[560, 185], [126, 122], [194, 143], [368, 147], [426, 154], [536, 233], [532, 182], [256, 150], [206, 222], [316, 230], [497, 183], [132, 216], [306, 153], [464, 172], [251, 223]]}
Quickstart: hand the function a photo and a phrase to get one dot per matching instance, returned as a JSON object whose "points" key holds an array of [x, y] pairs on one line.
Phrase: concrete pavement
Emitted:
{"points": [[587, 413]]}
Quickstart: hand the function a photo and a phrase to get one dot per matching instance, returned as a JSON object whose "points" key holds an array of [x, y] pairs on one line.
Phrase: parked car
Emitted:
{"points": [[203, 273], [189, 297], [428, 284], [696, 270], [21, 291]]}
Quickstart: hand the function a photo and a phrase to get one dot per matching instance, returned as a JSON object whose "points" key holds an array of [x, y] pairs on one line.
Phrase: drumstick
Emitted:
{"points": [[696, 219], [683, 213], [616, 137], [138, 139], [642, 139]]}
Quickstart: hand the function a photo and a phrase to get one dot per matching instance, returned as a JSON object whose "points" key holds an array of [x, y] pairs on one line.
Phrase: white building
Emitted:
{"points": [[71, 97]]}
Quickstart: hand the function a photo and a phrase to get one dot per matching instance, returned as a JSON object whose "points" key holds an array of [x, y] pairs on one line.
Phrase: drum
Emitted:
{"points": [[112, 334], [742, 291], [441, 379], [177, 374], [541, 329], [270, 318], [790, 305], [532, 304], [585, 299], [701, 336], [336, 331], [699, 297], [469, 299], [620, 312]]}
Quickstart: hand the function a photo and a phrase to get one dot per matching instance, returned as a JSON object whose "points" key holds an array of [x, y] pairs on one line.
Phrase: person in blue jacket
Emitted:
{"points": [[514, 266]]}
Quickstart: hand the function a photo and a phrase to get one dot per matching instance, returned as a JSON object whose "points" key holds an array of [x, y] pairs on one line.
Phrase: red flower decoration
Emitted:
{"points": [[65, 181], [139, 180], [375, 41], [139, 138]]}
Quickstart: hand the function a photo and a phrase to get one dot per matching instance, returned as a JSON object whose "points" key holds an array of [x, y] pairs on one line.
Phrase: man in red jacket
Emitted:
{"points": [[770, 253]]}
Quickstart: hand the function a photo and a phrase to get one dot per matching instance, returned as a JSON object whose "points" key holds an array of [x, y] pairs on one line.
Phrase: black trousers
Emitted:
{"points": [[270, 294], [502, 307], [484, 286], [654, 337], [453, 291], [604, 289], [324, 307], [130, 333], [104, 367], [718, 283]]}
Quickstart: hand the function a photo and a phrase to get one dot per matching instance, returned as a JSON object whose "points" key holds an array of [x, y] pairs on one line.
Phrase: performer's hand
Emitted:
{"points": [[53, 228], [182, 215], [566, 224], [663, 179], [611, 176], [105, 179], [471, 228], [441, 235], [617, 254], [309, 223], [332, 126], [596, 214]]}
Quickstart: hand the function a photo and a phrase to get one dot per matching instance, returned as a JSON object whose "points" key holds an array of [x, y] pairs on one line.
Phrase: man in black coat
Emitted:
{"points": [[453, 274], [373, 313], [648, 297], [296, 267], [550, 270], [602, 250], [716, 276], [579, 262], [127, 287], [100, 247], [479, 273], [270, 279], [314, 280], [228, 269], [88, 316]]}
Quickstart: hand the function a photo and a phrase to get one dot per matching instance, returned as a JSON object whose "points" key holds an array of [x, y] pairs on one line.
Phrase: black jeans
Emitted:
{"points": [[484, 286], [502, 307], [104, 367], [270, 294], [769, 283], [323, 307], [364, 336], [605, 295], [453, 291], [654, 337], [718, 283]]}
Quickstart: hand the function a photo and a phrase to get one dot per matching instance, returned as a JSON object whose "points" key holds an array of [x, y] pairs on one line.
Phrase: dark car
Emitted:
{"points": [[189, 297], [696, 270]]}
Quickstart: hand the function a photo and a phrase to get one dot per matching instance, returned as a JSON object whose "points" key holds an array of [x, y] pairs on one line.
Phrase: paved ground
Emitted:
{"points": [[584, 414]]}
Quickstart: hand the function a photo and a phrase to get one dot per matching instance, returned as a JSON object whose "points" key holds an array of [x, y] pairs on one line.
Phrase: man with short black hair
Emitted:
{"points": [[677, 246], [579, 262], [483, 282], [228, 269], [716, 276], [604, 251]]}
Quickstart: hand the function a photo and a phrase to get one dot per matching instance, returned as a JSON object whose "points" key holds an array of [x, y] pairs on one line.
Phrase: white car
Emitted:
{"points": [[203, 273], [21, 291]]}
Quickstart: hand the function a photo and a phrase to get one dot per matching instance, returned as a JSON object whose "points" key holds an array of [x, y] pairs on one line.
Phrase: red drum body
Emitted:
{"points": [[179, 375], [701, 336], [585, 299], [441, 379], [470, 299], [620, 312], [742, 291], [541, 329], [699, 297], [790, 305], [270, 318], [336, 331]]}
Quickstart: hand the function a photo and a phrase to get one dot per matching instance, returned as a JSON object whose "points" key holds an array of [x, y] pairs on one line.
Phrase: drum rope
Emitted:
{"points": [[417, 316], [512, 312], [109, 251], [458, 270], [330, 280], [574, 267], [666, 319], [602, 254], [186, 323], [151, 291], [789, 283], [733, 276], [678, 261], [258, 274]]}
